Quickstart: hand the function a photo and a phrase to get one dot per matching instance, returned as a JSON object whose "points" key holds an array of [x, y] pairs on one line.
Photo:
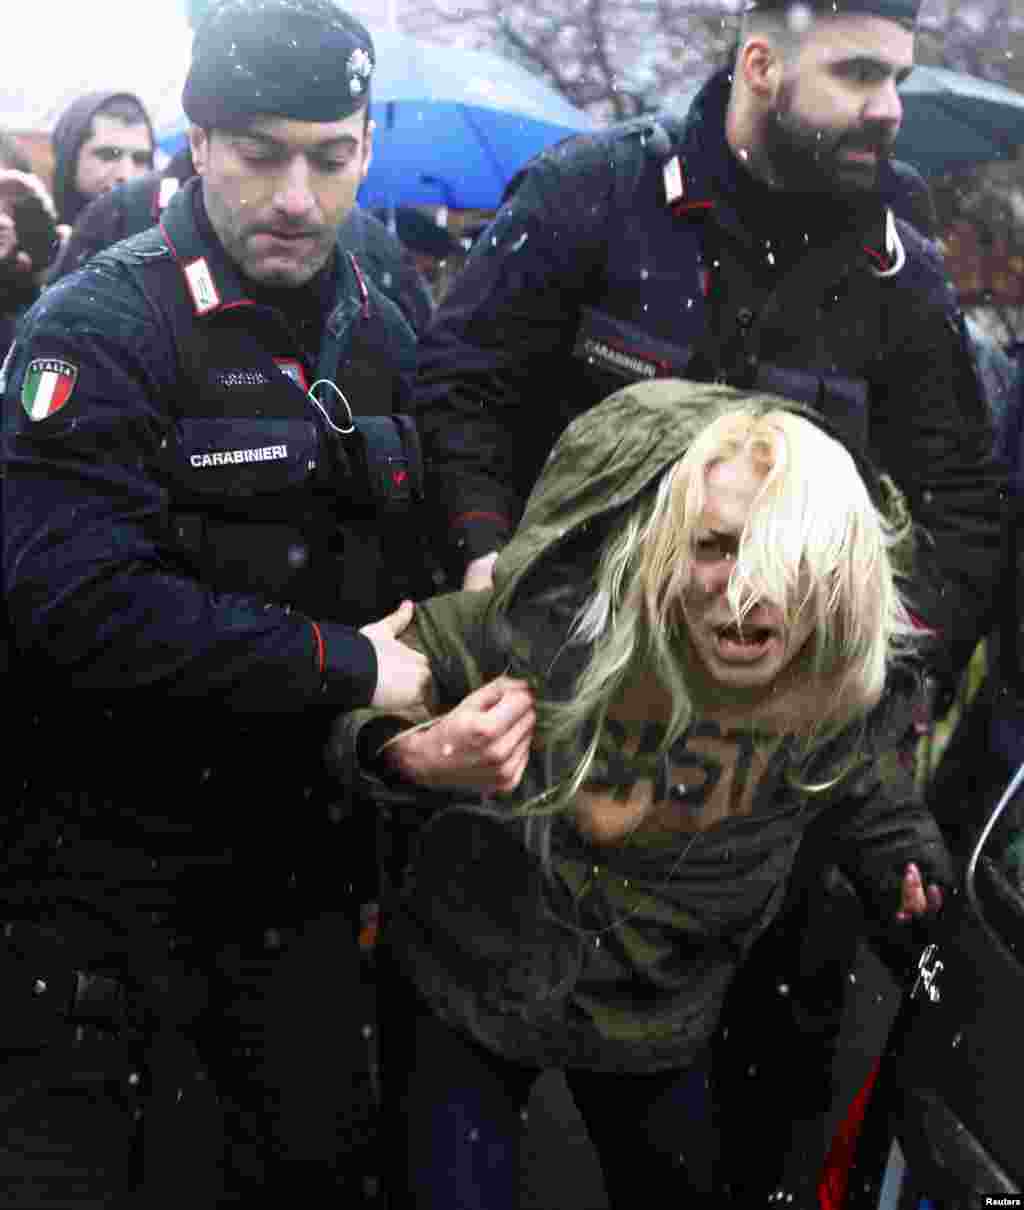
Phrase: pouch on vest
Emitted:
{"points": [[247, 515], [625, 353], [249, 462], [378, 468]]}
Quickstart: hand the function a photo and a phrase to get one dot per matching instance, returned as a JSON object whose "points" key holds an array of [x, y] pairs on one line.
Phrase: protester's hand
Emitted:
{"points": [[9, 244], [15, 188], [480, 573], [403, 675], [915, 900], [482, 745]]}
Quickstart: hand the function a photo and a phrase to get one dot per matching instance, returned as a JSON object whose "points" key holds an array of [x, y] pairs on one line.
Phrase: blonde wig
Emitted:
{"points": [[814, 541]]}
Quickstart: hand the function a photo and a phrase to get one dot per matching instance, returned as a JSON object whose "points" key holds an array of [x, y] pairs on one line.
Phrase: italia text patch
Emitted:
{"points": [[48, 384]]}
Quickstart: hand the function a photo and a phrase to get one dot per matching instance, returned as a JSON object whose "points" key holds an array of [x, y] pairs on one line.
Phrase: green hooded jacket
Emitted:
{"points": [[614, 958]]}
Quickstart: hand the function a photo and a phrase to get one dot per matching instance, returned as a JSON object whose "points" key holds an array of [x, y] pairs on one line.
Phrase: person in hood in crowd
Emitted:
{"points": [[195, 550], [101, 140], [126, 209], [702, 593]]}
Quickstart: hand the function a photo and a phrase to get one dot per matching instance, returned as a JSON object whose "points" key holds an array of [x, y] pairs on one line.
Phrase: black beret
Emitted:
{"points": [[895, 10], [307, 60]]}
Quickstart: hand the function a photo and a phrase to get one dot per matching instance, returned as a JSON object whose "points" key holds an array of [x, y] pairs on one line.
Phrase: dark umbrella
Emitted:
{"points": [[951, 120]]}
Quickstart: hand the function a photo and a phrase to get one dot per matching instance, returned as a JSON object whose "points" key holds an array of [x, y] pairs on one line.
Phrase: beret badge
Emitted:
{"points": [[359, 68]]}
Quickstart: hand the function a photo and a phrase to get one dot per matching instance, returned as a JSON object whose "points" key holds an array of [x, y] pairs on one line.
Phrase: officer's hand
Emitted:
{"points": [[480, 573], [914, 899], [482, 745], [403, 675]]}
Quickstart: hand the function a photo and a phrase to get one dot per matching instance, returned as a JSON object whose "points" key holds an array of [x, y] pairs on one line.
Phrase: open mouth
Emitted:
{"points": [[743, 643]]}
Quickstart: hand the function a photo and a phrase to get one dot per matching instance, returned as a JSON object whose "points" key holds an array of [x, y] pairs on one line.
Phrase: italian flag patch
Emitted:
{"points": [[47, 387]]}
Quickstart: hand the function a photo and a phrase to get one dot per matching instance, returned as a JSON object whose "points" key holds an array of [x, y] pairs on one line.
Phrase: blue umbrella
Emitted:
{"points": [[453, 126]]}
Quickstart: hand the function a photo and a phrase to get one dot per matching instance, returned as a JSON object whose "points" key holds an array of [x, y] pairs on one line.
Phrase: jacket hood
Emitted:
{"points": [[608, 456], [68, 136]]}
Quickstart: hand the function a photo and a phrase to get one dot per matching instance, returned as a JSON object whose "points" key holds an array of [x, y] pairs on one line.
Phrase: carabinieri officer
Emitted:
{"points": [[193, 558]]}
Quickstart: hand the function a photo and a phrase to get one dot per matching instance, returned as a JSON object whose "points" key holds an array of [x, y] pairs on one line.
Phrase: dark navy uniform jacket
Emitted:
{"points": [[153, 427], [181, 553], [627, 254]]}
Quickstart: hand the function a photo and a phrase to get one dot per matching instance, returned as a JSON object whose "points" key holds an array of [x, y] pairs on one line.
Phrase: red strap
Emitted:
{"points": [[879, 258], [321, 655], [682, 209], [921, 624], [362, 285], [480, 516], [835, 1175]]}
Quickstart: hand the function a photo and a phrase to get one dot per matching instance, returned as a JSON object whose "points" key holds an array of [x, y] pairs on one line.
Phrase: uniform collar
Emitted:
{"points": [[214, 284], [714, 181], [212, 281]]}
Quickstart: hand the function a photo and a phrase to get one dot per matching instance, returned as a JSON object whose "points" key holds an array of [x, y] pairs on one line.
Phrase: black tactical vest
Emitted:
{"points": [[260, 495]]}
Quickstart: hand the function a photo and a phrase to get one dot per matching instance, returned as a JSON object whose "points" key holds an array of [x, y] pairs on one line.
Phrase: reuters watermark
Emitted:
{"points": [[1004, 1201]]}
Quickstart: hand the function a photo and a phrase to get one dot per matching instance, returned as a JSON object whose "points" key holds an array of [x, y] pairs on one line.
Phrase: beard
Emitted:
{"points": [[810, 157]]}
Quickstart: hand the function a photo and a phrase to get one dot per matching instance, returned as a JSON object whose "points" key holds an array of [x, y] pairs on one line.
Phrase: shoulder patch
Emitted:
{"points": [[201, 285], [48, 384], [672, 171], [169, 186]]}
